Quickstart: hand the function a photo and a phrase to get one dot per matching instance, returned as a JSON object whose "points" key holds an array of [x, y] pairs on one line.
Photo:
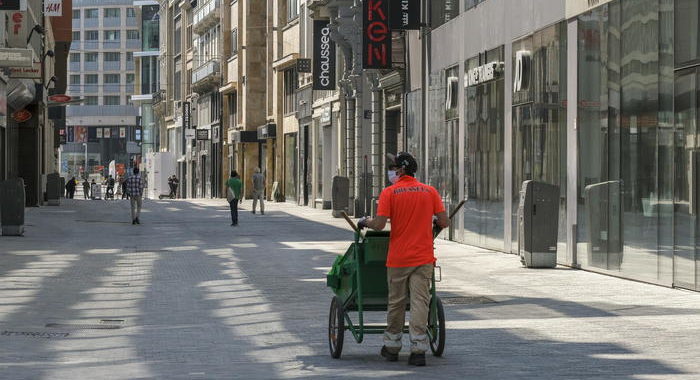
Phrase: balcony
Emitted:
{"points": [[91, 66], [74, 89], [112, 22], [133, 44], [76, 23], [206, 16], [130, 66], [90, 88], [91, 23], [76, 45], [129, 88], [74, 67], [111, 88], [91, 45], [132, 21], [112, 66], [206, 77]]}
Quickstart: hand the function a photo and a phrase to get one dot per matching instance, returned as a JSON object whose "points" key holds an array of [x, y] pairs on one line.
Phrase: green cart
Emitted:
{"points": [[359, 282]]}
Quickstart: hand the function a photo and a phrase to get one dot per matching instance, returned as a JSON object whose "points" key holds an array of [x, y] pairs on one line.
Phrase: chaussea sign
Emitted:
{"points": [[324, 56], [376, 35]]}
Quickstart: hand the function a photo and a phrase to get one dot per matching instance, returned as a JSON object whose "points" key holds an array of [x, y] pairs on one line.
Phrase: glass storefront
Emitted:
{"points": [[150, 25], [414, 128], [483, 155], [625, 140], [539, 119]]}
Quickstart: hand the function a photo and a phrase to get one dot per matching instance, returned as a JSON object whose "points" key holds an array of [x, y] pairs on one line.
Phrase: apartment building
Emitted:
{"points": [[101, 71]]}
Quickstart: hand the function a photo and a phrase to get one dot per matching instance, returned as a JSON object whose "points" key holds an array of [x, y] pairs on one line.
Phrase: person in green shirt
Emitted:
{"points": [[233, 195]]}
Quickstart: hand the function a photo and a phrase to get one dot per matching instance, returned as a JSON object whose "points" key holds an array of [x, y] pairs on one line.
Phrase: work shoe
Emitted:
{"points": [[388, 355], [133, 221], [416, 359], [138, 221]]}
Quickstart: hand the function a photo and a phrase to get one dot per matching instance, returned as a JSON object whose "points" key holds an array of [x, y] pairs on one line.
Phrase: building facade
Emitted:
{"points": [[106, 34]]}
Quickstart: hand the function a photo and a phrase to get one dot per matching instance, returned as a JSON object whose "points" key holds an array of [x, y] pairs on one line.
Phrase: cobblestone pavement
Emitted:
{"points": [[87, 295]]}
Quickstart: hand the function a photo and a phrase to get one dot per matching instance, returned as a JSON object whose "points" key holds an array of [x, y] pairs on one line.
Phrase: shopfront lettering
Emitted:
{"points": [[377, 35], [482, 74]]}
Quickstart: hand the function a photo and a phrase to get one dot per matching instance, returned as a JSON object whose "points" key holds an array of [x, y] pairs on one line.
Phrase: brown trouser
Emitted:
{"points": [[402, 282]]}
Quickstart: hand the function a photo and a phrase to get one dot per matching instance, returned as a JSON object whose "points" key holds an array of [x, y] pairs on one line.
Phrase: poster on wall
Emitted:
{"points": [[376, 35], [324, 56], [122, 132], [106, 133], [80, 134], [99, 133]]}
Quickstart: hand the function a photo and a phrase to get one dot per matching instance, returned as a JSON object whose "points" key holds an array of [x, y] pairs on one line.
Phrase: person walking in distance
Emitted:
{"points": [[70, 188], [122, 184], [134, 187], [86, 189], [259, 191], [233, 195], [414, 210]]}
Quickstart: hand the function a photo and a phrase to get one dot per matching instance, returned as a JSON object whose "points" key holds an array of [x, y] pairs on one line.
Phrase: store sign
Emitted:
{"points": [[376, 35], [17, 29], [33, 72], [202, 134], [60, 98], [10, 5], [122, 132], [186, 115], [21, 116], [53, 8], [190, 134], [576, 7], [405, 14], [483, 74], [16, 58], [324, 56]]}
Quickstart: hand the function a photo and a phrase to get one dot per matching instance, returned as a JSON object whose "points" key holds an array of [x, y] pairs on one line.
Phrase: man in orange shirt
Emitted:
{"points": [[411, 207]]}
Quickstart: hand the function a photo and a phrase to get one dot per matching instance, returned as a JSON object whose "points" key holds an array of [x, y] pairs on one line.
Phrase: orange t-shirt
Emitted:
{"points": [[410, 205]]}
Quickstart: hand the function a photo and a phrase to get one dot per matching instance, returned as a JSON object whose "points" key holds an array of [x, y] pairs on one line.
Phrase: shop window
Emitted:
{"points": [[291, 84], [451, 93]]}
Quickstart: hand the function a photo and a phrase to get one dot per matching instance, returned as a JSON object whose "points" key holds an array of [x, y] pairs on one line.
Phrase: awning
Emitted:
{"points": [[245, 137]]}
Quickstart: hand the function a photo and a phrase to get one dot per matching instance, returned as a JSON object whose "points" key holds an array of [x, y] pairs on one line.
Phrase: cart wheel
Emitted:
{"points": [[436, 328], [336, 328]]}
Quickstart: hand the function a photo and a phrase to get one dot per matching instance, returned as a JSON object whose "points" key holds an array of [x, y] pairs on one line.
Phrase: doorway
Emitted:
{"points": [[306, 164]]}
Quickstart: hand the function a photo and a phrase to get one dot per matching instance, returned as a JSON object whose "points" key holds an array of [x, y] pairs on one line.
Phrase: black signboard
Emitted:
{"points": [[186, 115], [324, 56], [304, 65], [404, 14], [202, 134], [376, 35], [9, 5]]}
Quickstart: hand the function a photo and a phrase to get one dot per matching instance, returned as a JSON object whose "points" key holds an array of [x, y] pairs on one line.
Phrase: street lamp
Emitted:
{"points": [[85, 164]]}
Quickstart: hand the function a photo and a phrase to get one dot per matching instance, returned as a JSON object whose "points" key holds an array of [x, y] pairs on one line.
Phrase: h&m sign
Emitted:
{"points": [[324, 56], [405, 14], [376, 35]]}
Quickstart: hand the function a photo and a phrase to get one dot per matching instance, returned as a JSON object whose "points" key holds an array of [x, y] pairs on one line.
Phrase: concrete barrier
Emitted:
{"points": [[12, 200]]}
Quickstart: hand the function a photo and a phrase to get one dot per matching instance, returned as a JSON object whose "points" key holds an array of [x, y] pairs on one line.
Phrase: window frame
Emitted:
{"points": [[118, 12], [89, 12]]}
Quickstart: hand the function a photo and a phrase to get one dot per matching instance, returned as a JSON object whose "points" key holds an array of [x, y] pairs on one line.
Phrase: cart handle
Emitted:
{"points": [[350, 222]]}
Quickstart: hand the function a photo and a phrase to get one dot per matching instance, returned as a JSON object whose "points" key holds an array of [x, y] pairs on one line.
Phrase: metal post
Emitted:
{"points": [[86, 161]]}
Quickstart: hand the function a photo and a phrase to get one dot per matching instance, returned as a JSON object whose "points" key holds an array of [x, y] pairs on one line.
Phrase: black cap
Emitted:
{"points": [[403, 160]]}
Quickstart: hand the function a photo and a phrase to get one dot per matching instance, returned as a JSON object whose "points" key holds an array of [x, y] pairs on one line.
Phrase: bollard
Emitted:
{"points": [[53, 189], [12, 200]]}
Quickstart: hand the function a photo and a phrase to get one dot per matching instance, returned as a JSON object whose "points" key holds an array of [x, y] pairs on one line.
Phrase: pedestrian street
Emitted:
{"points": [[87, 295]]}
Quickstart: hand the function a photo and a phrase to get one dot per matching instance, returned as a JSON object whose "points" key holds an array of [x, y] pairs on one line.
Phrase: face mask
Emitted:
{"points": [[392, 176]]}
